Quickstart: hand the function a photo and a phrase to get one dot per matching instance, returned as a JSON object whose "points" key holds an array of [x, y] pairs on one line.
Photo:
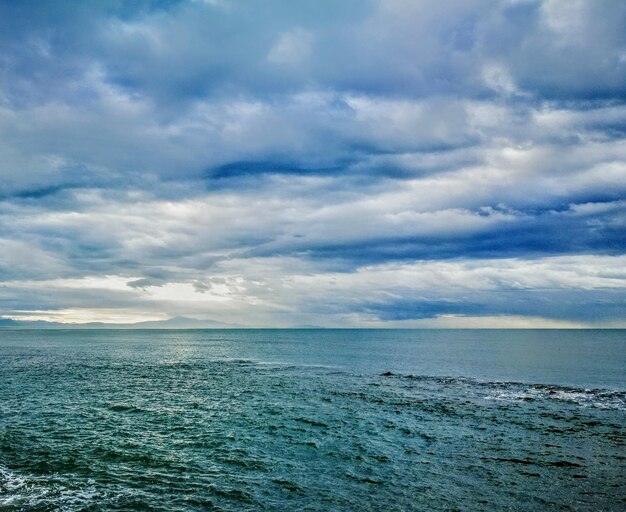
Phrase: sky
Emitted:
{"points": [[370, 163]]}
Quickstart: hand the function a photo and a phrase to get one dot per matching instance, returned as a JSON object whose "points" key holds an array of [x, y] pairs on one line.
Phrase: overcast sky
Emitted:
{"points": [[314, 162]]}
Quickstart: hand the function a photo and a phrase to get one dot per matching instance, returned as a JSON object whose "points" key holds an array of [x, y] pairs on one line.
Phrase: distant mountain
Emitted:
{"points": [[177, 322], [181, 322]]}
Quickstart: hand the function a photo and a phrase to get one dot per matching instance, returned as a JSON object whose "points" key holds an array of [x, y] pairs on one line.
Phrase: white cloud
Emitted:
{"points": [[292, 48], [273, 290]]}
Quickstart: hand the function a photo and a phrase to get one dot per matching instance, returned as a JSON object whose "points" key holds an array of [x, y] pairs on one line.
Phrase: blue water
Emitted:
{"points": [[312, 420]]}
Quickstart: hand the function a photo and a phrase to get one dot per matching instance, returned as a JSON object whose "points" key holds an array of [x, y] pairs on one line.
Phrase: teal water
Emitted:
{"points": [[312, 420]]}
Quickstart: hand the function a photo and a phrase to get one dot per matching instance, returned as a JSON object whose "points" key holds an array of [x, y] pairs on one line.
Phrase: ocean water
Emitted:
{"points": [[312, 420]]}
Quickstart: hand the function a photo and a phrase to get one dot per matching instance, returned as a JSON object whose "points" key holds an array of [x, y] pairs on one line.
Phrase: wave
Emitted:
{"points": [[22, 492], [519, 391]]}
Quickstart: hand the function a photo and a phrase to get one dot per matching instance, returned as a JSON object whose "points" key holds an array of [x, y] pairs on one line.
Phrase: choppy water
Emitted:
{"points": [[312, 420]]}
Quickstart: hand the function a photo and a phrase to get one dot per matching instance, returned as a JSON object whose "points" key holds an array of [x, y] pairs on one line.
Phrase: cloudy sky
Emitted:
{"points": [[319, 162]]}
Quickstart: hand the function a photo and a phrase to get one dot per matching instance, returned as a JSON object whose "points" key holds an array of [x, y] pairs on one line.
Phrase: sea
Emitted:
{"points": [[312, 420]]}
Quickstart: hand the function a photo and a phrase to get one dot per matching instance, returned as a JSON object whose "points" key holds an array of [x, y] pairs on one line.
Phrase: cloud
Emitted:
{"points": [[292, 48], [583, 290], [209, 156]]}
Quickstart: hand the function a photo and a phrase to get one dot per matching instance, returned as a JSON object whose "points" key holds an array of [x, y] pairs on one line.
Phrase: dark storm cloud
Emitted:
{"points": [[559, 304]]}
